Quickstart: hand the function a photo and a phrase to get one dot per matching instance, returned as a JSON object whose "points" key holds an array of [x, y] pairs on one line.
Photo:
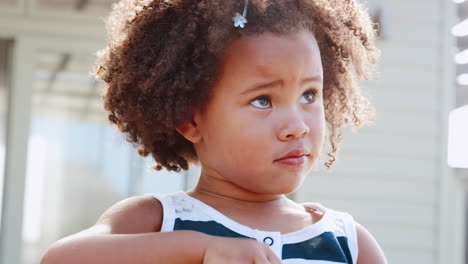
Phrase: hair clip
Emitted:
{"points": [[241, 20]]}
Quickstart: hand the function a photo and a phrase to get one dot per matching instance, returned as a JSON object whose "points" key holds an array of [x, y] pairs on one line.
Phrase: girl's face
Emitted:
{"points": [[264, 127]]}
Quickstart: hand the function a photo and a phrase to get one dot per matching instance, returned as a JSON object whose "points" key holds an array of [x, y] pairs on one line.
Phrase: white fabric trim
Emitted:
{"points": [[351, 233], [181, 205], [168, 211]]}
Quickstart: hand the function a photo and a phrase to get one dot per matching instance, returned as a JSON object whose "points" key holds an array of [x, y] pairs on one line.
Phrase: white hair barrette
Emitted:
{"points": [[241, 20]]}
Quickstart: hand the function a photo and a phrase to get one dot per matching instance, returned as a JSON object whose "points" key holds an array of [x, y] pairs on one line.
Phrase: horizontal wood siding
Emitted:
{"points": [[386, 175]]}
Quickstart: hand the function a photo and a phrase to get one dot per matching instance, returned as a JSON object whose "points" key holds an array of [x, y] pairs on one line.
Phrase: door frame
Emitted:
{"points": [[26, 45]]}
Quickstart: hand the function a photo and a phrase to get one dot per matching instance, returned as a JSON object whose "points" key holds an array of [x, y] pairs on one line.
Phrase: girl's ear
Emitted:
{"points": [[190, 131]]}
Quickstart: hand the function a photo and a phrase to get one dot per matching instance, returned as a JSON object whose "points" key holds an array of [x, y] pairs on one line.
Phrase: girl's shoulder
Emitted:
{"points": [[341, 219], [323, 210], [362, 245], [137, 214]]}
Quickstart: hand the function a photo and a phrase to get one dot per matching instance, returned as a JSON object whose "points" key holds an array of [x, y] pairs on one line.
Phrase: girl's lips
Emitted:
{"points": [[293, 160]]}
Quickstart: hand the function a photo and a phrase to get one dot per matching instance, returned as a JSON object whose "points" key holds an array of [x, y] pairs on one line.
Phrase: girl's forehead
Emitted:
{"points": [[267, 52]]}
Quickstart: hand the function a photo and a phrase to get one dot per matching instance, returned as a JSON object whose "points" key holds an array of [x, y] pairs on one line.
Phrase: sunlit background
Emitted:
{"points": [[62, 164], [458, 131]]}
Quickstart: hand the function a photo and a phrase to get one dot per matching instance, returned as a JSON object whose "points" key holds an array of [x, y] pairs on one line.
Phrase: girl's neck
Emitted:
{"points": [[218, 191], [212, 185], [235, 196]]}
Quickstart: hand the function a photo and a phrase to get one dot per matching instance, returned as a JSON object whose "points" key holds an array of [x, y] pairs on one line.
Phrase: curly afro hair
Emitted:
{"points": [[162, 60]]}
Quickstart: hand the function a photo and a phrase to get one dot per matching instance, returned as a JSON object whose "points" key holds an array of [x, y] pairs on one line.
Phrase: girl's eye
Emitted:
{"points": [[261, 102], [308, 97]]}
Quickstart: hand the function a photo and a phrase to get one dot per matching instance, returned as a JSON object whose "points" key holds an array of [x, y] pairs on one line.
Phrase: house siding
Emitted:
{"points": [[387, 175]]}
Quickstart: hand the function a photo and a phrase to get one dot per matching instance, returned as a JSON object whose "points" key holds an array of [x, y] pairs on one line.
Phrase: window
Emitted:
{"points": [[77, 164], [4, 79], [461, 100]]}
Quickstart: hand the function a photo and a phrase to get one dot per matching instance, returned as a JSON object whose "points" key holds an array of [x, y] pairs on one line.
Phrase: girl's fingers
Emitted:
{"points": [[262, 259], [273, 259]]}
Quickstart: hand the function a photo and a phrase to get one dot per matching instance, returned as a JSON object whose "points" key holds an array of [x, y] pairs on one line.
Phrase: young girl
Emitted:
{"points": [[250, 91]]}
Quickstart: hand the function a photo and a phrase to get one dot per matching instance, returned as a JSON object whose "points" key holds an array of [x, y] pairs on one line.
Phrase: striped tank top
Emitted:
{"points": [[332, 239]]}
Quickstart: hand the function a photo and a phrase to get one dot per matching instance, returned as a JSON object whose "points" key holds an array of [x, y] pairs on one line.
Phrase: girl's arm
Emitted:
{"points": [[369, 250], [129, 233], [175, 247]]}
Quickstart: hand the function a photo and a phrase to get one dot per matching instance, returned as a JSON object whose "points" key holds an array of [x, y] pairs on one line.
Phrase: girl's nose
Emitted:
{"points": [[294, 127]]}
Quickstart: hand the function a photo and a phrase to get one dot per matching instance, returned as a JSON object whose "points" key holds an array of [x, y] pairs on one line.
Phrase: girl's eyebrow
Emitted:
{"points": [[263, 86], [316, 78]]}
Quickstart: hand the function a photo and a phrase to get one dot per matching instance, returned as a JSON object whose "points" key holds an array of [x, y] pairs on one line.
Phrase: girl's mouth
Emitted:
{"points": [[293, 160]]}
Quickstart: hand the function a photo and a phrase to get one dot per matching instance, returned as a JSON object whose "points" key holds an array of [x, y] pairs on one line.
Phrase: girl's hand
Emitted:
{"points": [[238, 251]]}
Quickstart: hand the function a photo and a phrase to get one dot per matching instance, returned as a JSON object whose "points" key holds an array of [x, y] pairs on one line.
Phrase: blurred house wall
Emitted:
{"points": [[392, 176], [64, 163]]}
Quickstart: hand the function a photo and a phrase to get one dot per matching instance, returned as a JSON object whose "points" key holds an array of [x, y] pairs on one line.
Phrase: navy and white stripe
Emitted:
{"points": [[330, 240]]}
